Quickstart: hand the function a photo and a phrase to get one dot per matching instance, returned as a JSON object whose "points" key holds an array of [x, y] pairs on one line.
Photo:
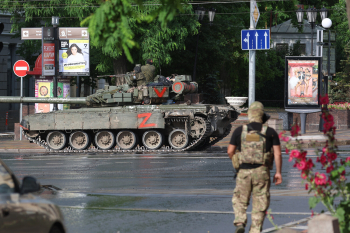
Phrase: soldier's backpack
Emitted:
{"points": [[253, 147]]}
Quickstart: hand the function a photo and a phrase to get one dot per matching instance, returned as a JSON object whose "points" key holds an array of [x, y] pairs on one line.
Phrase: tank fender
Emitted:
{"points": [[25, 125], [179, 113]]}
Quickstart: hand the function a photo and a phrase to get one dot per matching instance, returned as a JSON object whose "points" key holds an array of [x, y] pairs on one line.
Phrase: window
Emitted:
{"points": [[300, 48], [282, 47]]}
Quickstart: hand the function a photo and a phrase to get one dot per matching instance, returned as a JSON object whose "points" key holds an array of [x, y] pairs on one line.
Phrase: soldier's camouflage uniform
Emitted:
{"points": [[255, 182], [148, 72]]}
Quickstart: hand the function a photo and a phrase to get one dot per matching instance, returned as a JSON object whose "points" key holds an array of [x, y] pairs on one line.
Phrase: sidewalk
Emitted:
{"points": [[310, 140]]}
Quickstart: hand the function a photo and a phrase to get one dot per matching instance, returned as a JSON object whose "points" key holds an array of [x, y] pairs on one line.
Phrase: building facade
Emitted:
{"points": [[286, 35]]}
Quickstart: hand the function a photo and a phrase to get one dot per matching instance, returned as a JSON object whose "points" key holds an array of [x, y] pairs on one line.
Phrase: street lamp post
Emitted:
{"points": [[311, 14], [327, 23], [200, 12], [311, 17]]}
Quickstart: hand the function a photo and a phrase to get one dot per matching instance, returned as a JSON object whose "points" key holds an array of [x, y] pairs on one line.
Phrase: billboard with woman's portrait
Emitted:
{"points": [[74, 58], [302, 82]]}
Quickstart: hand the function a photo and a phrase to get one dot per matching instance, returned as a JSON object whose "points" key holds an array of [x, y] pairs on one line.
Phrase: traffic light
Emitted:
{"points": [[1, 29]]}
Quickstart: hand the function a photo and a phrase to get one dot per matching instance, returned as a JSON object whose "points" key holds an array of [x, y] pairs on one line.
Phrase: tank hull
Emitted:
{"points": [[150, 127]]}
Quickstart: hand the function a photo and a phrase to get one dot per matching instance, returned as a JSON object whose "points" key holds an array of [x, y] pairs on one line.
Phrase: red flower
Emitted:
{"points": [[312, 213], [303, 155], [342, 162], [281, 134], [320, 179], [307, 186], [327, 126], [342, 178], [342, 173], [302, 165], [294, 154], [295, 130], [347, 159], [332, 156], [330, 182], [287, 151], [310, 164], [330, 118], [285, 139], [330, 169], [303, 175], [322, 159], [324, 99]]}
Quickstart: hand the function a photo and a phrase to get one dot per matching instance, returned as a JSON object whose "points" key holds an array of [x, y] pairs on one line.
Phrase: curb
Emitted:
{"points": [[23, 150]]}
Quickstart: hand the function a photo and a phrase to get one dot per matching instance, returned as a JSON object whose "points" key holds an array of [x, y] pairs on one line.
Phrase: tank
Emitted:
{"points": [[129, 118]]}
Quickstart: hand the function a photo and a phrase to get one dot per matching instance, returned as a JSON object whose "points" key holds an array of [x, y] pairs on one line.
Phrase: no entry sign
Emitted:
{"points": [[20, 68]]}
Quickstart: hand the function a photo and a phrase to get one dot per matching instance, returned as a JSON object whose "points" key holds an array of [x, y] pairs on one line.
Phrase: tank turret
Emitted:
{"points": [[129, 118]]}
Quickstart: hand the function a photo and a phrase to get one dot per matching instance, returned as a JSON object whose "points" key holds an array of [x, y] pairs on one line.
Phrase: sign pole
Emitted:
{"points": [[252, 53], [20, 69], [21, 111]]}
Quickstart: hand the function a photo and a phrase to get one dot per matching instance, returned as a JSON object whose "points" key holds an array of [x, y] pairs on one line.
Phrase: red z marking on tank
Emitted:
{"points": [[159, 94], [146, 116]]}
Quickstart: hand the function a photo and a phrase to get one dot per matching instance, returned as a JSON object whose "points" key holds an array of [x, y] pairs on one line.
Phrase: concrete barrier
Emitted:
{"points": [[323, 224]]}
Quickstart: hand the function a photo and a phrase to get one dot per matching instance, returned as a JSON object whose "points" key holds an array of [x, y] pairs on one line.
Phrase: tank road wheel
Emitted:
{"points": [[198, 127], [104, 140], [126, 139], [152, 139], [79, 140], [56, 140], [178, 139]]}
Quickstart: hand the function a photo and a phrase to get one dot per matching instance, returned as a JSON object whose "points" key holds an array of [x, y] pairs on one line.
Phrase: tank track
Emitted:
{"points": [[214, 140], [192, 145]]}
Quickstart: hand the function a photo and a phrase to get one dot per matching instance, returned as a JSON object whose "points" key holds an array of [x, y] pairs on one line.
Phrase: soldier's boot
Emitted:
{"points": [[239, 229]]}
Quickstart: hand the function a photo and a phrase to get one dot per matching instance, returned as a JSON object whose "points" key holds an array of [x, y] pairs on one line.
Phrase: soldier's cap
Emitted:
{"points": [[256, 112]]}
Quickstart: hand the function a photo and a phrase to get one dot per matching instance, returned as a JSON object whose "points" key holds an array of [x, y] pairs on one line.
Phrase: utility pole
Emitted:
{"points": [[252, 53]]}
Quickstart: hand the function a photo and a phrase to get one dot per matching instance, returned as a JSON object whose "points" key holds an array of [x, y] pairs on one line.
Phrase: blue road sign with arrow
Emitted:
{"points": [[255, 39]]}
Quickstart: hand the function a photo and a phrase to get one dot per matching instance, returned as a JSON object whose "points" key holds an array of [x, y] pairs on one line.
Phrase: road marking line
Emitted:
{"points": [[158, 162], [55, 163], [176, 211], [291, 224]]}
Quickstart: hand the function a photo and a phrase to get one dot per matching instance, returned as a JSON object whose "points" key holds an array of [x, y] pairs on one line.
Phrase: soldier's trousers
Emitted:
{"points": [[255, 182]]}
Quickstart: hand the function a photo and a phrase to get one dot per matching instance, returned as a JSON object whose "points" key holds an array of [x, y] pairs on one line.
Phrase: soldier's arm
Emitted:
{"points": [[231, 149], [277, 179]]}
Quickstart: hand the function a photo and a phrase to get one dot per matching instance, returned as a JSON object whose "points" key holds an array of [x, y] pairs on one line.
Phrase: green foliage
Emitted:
{"points": [[340, 25], [345, 65], [210, 88], [313, 201], [339, 91], [111, 25]]}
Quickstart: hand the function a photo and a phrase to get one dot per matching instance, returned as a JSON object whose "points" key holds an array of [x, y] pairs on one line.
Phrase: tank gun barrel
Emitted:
{"points": [[18, 99]]}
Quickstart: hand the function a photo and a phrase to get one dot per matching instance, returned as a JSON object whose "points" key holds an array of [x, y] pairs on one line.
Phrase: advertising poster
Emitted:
{"points": [[44, 88], [74, 57], [302, 82], [48, 59]]}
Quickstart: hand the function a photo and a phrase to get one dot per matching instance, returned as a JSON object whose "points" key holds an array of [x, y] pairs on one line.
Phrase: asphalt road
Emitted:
{"points": [[152, 193]]}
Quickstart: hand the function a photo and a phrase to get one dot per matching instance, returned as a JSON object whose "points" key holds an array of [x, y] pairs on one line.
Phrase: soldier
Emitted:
{"points": [[250, 150], [148, 71]]}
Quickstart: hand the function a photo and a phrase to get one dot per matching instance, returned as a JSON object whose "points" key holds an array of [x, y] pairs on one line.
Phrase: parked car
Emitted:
{"points": [[21, 211]]}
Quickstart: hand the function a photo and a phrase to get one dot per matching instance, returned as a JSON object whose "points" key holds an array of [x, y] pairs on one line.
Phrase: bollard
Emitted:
{"points": [[323, 224], [6, 121]]}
